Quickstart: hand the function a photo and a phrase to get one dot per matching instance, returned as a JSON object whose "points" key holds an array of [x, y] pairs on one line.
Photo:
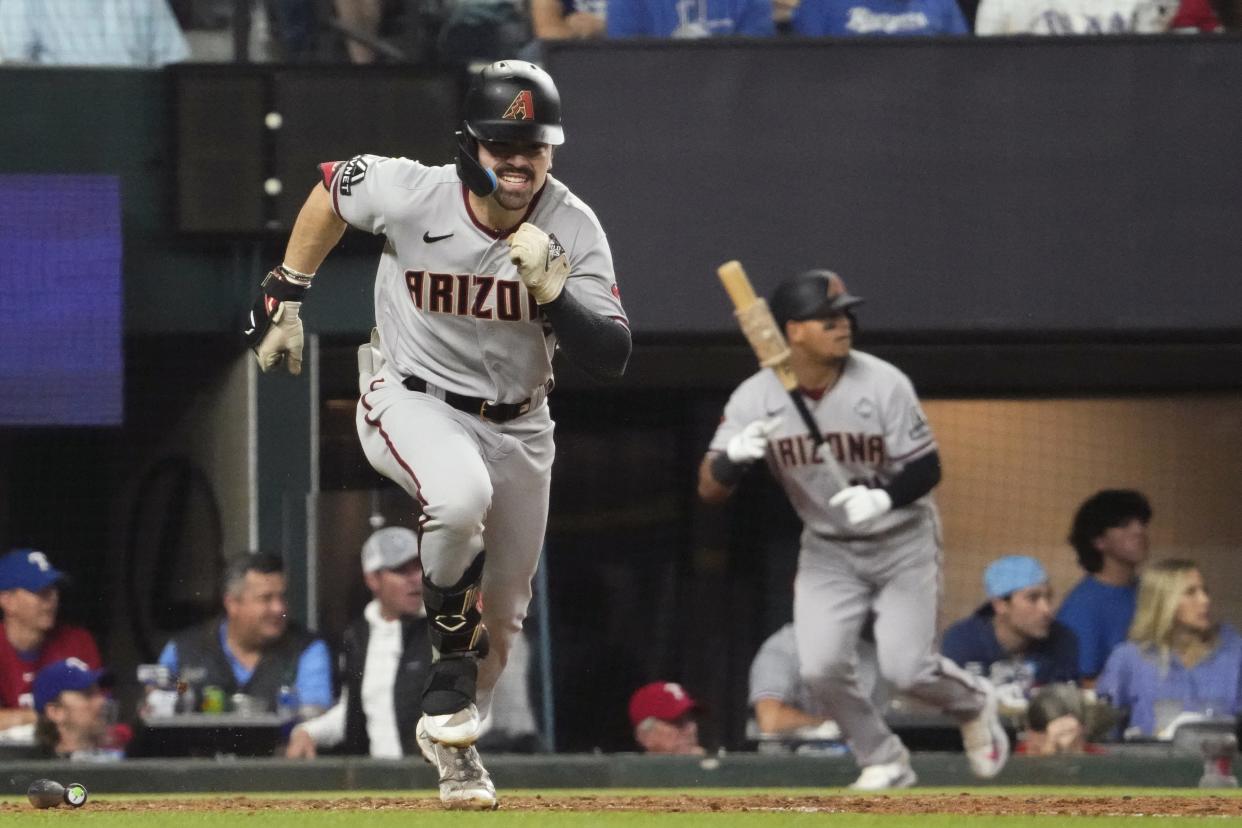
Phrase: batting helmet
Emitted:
{"points": [[509, 102], [815, 294]]}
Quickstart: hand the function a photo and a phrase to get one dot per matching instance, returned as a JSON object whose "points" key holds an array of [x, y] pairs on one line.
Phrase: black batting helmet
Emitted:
{"points": [[510, 102], [814, 294]]}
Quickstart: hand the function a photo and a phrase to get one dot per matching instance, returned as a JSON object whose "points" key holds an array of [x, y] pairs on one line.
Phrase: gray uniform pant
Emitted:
{"points": [[898, 577], [480, 485]]}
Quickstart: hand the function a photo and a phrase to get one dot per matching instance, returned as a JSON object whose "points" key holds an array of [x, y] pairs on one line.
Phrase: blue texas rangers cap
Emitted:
{"points": [[813, 294], [27, 569], [59, 676], [1005, 576]]}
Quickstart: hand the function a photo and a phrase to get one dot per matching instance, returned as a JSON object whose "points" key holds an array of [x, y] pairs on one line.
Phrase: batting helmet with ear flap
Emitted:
{"points": [[813, 294], [509, 102]]}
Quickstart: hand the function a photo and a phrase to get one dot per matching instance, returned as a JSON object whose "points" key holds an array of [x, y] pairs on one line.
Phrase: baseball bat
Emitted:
{"points": [[765, 338]]}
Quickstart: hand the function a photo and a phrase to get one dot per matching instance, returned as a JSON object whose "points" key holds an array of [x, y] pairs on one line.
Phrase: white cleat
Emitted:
{"points": [[464, 782], [460, 729], [886, 777], [985, 740]]}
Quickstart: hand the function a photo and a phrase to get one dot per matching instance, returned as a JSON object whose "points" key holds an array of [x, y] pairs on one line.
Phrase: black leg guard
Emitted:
{"points": [[458, 642]]}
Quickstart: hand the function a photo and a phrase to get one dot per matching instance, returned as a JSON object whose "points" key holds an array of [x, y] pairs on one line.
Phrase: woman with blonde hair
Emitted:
{"points": [[1176, 654]]}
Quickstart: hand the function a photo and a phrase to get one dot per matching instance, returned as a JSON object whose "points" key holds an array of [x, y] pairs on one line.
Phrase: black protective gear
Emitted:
{"points": [[458, 641], [813, 294]]}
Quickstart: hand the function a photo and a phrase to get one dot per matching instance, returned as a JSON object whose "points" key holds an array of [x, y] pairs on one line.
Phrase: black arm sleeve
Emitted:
{"points": [[917, 479], [597, 344]]}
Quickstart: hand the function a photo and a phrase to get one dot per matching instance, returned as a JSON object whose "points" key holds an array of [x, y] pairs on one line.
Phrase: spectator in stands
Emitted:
{"points": [[1178, 660], [1057, 722], [1070, 17], [663, 716], [32, 638], [842, 18], [254, 649], [784, 705], [138, 33], [568, 19], [74, 712], [1109, 534], [363, 17], [1012, 639], [385, 654], [690, 18]]}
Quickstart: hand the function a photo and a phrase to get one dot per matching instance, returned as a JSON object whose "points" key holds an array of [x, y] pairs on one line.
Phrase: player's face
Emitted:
{"points": [[257, 613], [521, 170], [1029, 612], [826, 340], [1194, 605], [398, 590], [32, 610], [1128, 543]]}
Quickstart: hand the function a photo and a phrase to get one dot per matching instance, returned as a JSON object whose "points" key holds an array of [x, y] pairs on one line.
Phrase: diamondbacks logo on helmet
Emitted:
{"points": [[522, 108]]}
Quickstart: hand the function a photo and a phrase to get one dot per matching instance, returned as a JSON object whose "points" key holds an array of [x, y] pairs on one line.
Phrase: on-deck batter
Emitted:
{"points": [[489, 267], [871, 535]]}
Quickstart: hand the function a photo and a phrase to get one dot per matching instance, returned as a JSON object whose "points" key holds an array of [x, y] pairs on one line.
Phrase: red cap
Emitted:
{"points": [[665, 700]]}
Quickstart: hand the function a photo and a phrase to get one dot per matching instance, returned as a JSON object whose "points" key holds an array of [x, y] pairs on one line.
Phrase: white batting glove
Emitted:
{"points": [[541, 262], [861, 504], [751, 443], [283, 340]]}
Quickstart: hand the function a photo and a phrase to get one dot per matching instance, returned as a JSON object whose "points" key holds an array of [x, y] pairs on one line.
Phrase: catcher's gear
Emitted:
{"points": [[814, 294], [751, 443], [541, 262], [275, 329], [509, 102], [861, 504]]}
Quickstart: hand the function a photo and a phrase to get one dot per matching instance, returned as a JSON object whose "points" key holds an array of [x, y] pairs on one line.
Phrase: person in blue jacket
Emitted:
{"points": [[846, 18]]}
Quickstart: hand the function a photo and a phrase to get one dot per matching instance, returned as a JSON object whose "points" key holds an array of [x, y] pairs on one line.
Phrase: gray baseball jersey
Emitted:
{"points": [[449, 304], [872, 425]]}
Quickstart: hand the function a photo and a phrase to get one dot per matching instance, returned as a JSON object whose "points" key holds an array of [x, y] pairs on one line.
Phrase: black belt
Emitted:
{"points": [[496, 412]]}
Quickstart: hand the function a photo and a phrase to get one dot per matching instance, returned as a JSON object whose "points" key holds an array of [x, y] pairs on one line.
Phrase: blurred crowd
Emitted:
{"points": [[1132, 653], [152, 33]]}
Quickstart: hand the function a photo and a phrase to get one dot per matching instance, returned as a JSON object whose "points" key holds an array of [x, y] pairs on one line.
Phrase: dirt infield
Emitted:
{"points": [[961, 803]]}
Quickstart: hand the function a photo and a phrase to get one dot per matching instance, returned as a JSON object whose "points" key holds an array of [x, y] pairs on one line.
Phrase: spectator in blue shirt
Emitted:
{"points": [[844, 18], [1013, 638], [141, 33], [254, 649], [1110, 536], [690, 18], [1178, 660]]}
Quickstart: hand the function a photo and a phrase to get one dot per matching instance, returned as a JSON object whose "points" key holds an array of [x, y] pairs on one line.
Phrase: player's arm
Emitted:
{"points": [[598, 344], [721, 471]]}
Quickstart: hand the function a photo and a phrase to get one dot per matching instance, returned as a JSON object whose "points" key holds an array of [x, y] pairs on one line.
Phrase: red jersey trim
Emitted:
{"points": [[530, 208]]}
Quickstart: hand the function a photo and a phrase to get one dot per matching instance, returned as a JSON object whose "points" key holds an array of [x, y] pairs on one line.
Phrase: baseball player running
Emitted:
{"points": [[491, 264], [871, 536]]}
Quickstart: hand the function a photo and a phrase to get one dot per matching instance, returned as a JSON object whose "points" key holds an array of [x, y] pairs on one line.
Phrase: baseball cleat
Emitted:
{"points": [[464, 782], [460, 729], [985, 740], [885, 777]]}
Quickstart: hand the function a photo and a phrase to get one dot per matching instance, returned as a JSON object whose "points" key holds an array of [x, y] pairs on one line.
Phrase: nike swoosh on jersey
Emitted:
{"points": [[430, 239]]}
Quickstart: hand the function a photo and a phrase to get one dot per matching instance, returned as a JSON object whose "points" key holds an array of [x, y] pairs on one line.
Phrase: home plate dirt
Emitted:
{"points": [[956, 803]]}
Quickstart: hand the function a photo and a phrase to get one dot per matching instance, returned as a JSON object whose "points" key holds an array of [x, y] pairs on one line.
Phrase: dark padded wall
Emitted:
{"points": [[965, 186]]}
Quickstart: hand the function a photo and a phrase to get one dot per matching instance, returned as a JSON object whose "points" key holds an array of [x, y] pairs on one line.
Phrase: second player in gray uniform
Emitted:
{"points": [[490, 266], [871, 533]]}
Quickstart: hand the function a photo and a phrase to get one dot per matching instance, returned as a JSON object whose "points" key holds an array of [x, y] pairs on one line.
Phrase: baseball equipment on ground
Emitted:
{"points": [[861, 504], [275, 331], [75, 794], [45, 793], [541, 262], [751, 443], [765, 338], [464, 782], [511, 102]]}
